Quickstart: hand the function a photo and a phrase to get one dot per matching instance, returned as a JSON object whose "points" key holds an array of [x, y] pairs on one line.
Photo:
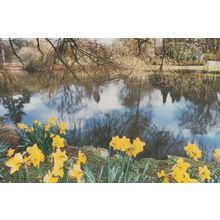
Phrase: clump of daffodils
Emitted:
{"points": [[32, 156], [25, 127], [47, 135], [124, 145], [181, 171], [76, 173], [58, 158], [49, 151], [10, 152]]}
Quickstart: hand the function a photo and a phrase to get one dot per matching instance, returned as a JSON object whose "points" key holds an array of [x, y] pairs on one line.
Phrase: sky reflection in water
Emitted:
{"points": [[89, 109]]}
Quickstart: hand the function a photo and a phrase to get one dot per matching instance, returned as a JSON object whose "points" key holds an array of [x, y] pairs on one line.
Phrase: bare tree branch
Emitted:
{"points": [[38, 47], [13, 49], [62, 60]]}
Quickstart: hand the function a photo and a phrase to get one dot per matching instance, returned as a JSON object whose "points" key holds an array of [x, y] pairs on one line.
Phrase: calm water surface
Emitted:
{"points": [[166, 117]]}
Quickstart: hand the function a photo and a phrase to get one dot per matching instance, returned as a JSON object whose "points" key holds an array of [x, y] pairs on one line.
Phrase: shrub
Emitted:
{"points": [[183, 52]]}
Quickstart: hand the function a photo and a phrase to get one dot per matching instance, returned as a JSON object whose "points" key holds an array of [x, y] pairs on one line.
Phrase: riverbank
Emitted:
{"points": [[96, 161], [100, 162], [124, 66]]}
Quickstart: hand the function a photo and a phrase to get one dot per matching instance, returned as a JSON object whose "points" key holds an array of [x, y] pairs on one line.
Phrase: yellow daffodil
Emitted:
{"points": [[188, 179], [59, 157], [179, 171], [193, 181], [58, 170], [10, 152], [139, 145], [58, 141], [162, 174], [52, 121], [115, 143], [193, 151], [135, 148], [125, 144], [217, 155], [204, 173], [76, 173], [52, 135], [179, 175], [182, 164], [130, 151], [15, 162], [81, 158], [27, 161], [37, 123], [30, 130], [62, 127], [49, 178], [35, 156], [47, 127], [23, 127]]}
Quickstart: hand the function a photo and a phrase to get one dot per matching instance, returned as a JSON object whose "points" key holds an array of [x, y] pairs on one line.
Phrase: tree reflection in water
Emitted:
{"points": [[97, 111], [14, 106]]}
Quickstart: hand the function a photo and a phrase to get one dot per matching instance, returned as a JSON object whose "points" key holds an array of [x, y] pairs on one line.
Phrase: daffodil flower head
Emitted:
{"points": [[59, 156], [135, 148], [52, 121], [75, 173], [58, 170], [162, 173], [204, 173], [49, 178], [10, 152], [47, 127], [115, 143], [182, 164], [15, 162], [23, 127], [179, 175], [62, 127], [179, 171], [164, 176], [37, 123], [58, 142], [81, 158], [52, 135], [30, 130], [217, 155], [35, 155], [125, 144], [193, 151]]}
